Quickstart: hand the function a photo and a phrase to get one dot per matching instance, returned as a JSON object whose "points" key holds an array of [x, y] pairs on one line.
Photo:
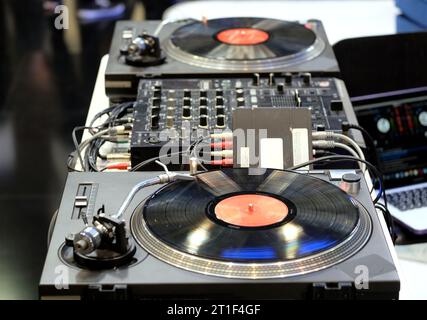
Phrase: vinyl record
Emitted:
{"points": [[279, 223], [240, 43]]}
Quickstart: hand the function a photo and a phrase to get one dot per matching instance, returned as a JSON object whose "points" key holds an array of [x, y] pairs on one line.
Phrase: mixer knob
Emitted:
{"points": [[219, 110], [155, 102], [186, 113], [203, 121], [155, 111], [337, 105], [219, 101], [169, 121], [306, 78], [280, 88], [203, 101], [271, 79], [256, 79], [288, 78], [186, 102], [155, 121], [203, 111], [240, 102], [240, 92], [170, 111], [220, 121], [171, 103]]}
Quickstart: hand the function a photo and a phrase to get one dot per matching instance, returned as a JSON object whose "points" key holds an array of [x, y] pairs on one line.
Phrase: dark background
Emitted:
{"points": [[45, 91]]}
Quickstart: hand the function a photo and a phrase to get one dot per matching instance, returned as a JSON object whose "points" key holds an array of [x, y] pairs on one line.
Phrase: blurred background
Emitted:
{"points": [[46, 81]]}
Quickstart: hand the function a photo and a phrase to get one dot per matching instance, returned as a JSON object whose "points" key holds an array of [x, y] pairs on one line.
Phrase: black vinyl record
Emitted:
{"points": [[285, 216], [243, 39]]}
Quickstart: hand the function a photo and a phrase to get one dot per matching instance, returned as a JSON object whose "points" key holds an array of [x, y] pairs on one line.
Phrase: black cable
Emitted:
{"points": [[76, 144], [148, 161], [346, 126]]}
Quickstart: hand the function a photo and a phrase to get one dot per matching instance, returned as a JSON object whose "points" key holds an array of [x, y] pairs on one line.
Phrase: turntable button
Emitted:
{"points": [[186, 113], [187, 93], [157, 93], [219, 92], [280, 88], [219, 101], [288, 78], [203, 93]]}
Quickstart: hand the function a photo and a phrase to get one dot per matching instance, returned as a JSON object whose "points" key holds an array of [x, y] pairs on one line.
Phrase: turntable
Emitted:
{"points": [[228, 46], [223, 233]]}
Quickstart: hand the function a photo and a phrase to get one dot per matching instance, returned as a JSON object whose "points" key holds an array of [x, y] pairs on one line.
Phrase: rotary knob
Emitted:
{"points": [[203, 101], [240, 102], [186, 102], [203, 111], [220, 121], [203, 121], [219, 101], [350, 183], [186, 113], [219, 110]]}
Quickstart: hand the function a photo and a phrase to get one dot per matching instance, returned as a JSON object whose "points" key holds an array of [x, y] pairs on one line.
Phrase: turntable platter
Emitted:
{"points": [[218, 224], [242, 43]]}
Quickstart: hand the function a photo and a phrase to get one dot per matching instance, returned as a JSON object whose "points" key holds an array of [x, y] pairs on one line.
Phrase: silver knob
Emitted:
{"points": [[350, 183]]}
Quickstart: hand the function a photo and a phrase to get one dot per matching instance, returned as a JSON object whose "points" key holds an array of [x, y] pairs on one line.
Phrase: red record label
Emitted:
{"points": [[251, 210], [242, 36]]}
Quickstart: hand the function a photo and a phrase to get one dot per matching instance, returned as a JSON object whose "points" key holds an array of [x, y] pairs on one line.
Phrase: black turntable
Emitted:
{"points": [[226, 233], [225, 46]]}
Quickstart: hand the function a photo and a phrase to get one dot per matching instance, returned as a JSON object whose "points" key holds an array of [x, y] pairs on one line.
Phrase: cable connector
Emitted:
{"points": [[323, 144], [222, 153], [224, 162], [225, 144], [322, 135], [118, 156], [223, 135]]}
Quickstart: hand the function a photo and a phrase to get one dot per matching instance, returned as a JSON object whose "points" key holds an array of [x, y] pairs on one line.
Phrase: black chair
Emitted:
{"points": [[383, 63]]}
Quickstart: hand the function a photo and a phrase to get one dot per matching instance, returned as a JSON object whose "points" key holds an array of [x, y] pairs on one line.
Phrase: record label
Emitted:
{"points": [[242, 36], [251, 210]]}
